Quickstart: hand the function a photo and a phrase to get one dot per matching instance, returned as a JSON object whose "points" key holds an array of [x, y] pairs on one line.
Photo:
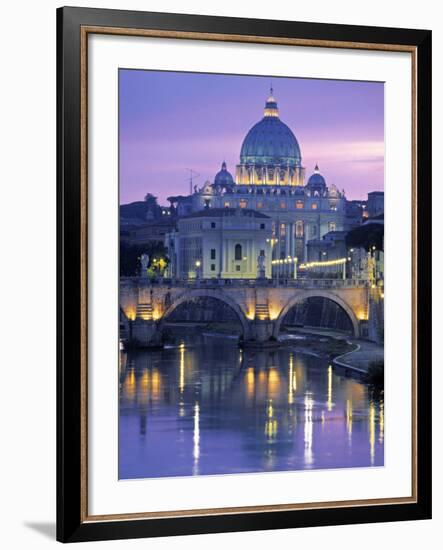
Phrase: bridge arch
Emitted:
{"points": [[318, 294], [217, 295]]}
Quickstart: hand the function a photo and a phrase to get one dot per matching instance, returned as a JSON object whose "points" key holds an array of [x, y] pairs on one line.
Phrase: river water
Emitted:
{"points": [[203, 406]]}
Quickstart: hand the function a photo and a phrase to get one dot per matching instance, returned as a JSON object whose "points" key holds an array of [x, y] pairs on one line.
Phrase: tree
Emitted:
{"points": [[130, 258], [157, 265]]}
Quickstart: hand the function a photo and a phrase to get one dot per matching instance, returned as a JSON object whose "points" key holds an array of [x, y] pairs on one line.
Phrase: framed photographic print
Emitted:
{"points": [[244, 241]]}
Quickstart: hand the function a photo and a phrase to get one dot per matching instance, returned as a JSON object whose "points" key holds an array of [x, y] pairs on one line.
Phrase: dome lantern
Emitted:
{"points": [[271, 108]]}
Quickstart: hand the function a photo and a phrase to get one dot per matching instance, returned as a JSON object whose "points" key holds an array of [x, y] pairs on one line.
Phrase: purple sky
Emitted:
{"points": [[173, 121]]}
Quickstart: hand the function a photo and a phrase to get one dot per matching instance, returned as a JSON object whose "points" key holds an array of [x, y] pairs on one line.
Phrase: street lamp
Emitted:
{"points": [[197, 268]]}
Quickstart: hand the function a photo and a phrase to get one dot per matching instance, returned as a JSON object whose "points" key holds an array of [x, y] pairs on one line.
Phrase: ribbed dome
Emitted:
{"points": [[270, 141], [223, 177]]}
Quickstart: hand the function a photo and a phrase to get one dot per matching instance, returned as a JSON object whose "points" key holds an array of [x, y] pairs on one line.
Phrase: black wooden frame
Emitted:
{"points": [[70, 526]]}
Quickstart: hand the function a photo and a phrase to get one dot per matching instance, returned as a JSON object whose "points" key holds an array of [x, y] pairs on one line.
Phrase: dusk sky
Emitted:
{"points": [[171, 121]]}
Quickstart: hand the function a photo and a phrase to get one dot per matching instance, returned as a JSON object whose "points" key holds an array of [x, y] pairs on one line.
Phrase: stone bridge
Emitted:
{"points": [[260, 305]]}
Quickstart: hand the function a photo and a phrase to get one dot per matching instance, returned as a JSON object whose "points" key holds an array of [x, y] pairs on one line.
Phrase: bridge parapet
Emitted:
{"points": [[250, 283]]}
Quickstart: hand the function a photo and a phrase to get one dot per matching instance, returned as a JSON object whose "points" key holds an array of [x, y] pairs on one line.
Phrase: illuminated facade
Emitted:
{"points": [[220, 243], [270, 179]]}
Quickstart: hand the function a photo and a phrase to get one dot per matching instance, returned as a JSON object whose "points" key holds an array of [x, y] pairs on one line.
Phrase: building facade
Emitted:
{"points": [[222, 243], [270, 180]]}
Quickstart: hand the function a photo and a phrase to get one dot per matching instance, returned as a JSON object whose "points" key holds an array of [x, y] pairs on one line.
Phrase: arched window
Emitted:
{"points": [[299, 228], [238, 252]]}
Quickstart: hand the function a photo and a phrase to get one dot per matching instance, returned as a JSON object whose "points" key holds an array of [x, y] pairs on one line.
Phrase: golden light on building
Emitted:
{"points": [[362, 315], [274, 311], [273, 242], [157, 312], [130, 312], [250, 314], [144, 311]]}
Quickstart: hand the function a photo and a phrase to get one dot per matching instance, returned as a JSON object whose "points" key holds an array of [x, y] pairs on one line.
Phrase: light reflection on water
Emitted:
{"points": [[205, 407]]}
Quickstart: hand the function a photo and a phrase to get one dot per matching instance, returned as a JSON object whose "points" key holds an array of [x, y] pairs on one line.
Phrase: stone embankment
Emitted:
{"points": [[356, 360], [359, 359]]}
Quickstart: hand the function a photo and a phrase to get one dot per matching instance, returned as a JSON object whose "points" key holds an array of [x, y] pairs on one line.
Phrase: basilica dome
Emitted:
{"points": [[270, 141]]}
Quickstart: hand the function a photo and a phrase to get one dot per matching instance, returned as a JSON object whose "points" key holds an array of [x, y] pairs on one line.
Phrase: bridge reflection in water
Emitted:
{"points": [[203, 406]]}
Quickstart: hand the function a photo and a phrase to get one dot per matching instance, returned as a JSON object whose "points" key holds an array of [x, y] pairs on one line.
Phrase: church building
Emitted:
{"points": [[268, 209]]}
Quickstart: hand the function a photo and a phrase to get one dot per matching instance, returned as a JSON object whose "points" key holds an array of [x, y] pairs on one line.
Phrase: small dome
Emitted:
{"points": [[223, 178], [316, 182]]}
